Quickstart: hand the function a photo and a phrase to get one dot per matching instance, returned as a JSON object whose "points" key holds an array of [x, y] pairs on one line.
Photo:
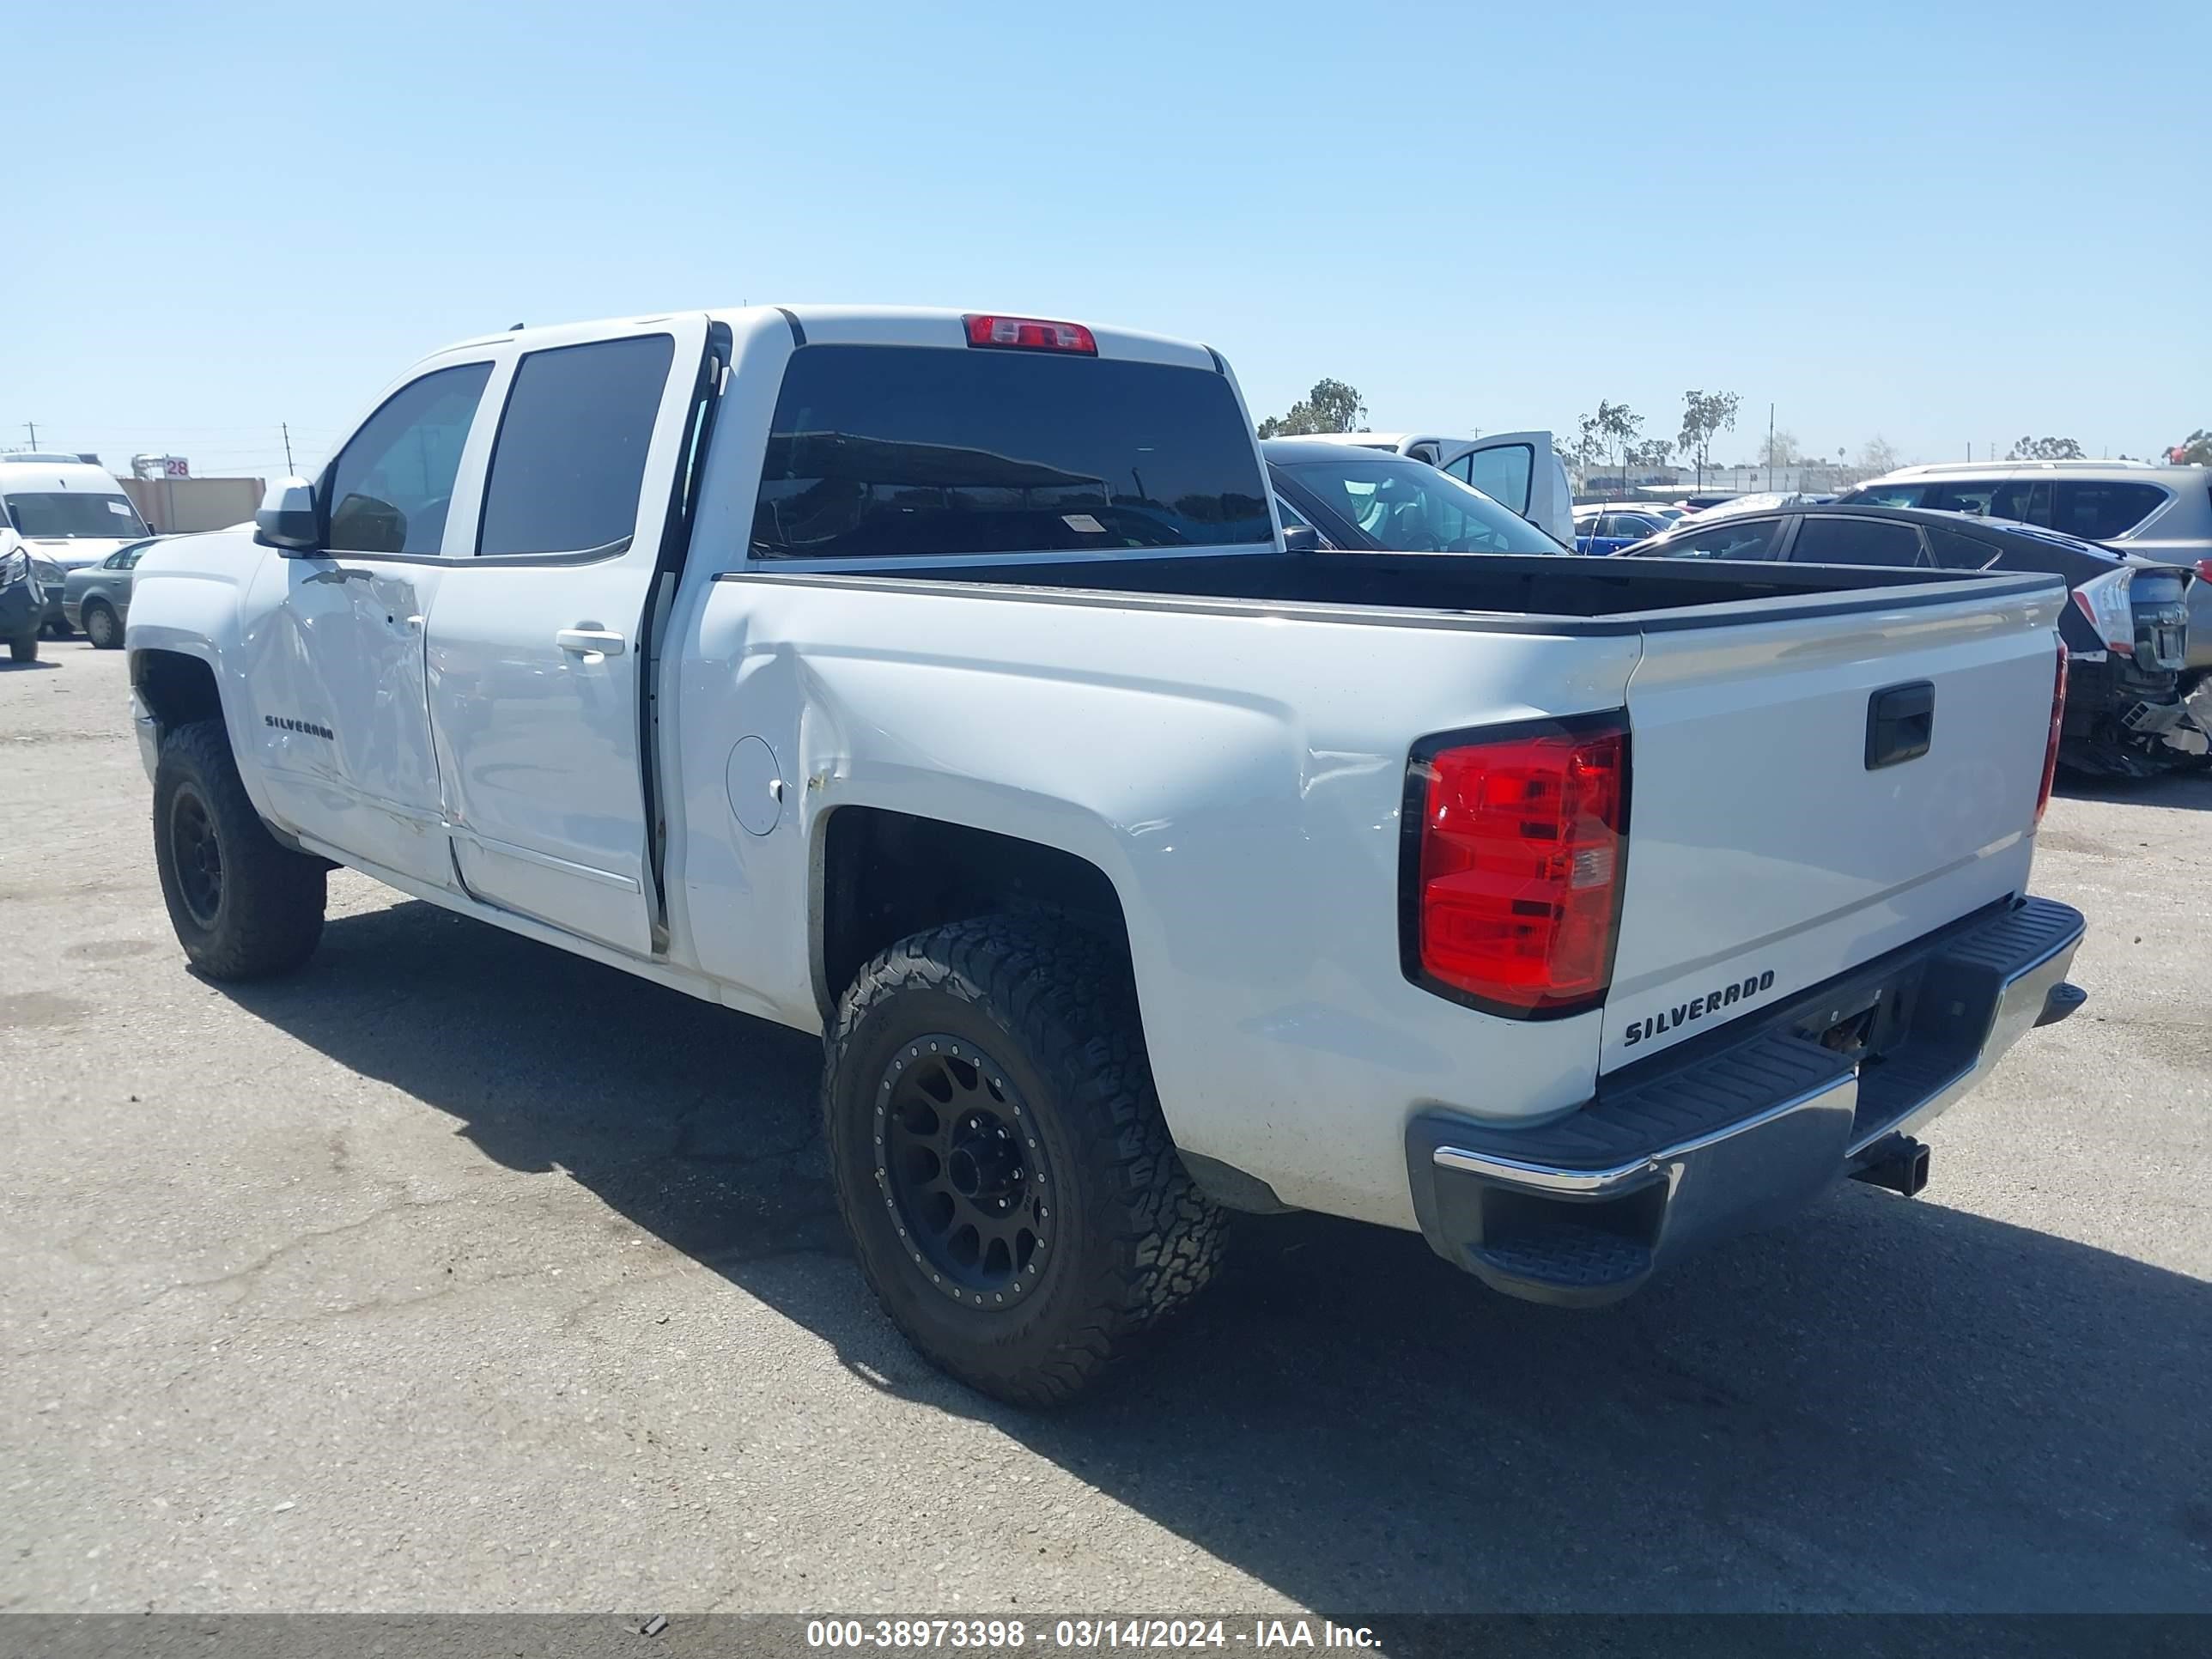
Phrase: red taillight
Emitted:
{"points": [[1516, 881], [1029, 334], [2050, 748], [2204, 570]]}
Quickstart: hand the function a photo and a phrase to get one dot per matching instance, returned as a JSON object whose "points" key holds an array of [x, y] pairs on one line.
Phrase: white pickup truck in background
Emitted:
{"points": [[941, 684]]}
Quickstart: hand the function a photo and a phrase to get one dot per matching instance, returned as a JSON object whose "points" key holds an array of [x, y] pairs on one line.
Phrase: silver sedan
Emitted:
{"points": [[97, 599]]}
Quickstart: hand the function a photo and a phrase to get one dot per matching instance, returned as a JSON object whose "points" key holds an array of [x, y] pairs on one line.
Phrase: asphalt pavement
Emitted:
{"points": [[457, 1274]]}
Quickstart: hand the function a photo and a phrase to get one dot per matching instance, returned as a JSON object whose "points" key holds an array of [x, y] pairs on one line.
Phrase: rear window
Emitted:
{"points": [[877, 451]]}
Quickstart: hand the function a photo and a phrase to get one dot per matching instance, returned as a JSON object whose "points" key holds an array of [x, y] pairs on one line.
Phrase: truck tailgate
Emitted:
{"points": [[1772, 844]]}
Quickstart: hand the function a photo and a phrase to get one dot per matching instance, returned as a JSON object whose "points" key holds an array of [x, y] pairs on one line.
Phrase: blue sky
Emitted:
{"points": [[1943, 222]]}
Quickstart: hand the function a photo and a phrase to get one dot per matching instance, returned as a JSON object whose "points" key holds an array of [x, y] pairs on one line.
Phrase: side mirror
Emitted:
{"points": [[1301, 538], [287, 516]]}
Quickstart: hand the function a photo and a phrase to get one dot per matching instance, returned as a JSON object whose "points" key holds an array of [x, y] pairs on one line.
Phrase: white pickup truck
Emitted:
{"points": [[941, 684]]}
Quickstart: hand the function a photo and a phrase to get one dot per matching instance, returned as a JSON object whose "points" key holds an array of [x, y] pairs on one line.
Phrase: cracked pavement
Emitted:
{"points": [[457, 1274]]}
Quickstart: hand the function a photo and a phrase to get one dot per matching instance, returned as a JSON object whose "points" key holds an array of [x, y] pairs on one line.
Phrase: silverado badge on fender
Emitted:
{"points": [[1696, 1008]]}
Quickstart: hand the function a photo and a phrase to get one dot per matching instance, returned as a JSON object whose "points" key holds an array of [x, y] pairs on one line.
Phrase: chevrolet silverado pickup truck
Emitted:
{"points": [[941, 684]]}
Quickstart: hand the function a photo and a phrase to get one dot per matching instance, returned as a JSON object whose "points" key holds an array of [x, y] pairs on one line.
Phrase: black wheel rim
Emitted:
{"points": [[197, 857], [968, 1185]]}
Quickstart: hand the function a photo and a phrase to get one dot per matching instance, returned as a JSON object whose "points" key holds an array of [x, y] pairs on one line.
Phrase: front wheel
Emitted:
{"points": [[243, 907], [101, 627], [24, 648], [1001, 1158]]}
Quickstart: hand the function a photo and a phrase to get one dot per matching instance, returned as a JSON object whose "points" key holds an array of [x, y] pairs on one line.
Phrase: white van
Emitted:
{"points": [[1517, 470], [69, 511]]}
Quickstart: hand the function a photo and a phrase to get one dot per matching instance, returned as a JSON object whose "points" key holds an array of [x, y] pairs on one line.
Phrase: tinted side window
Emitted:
{"points": [[1979, 497], [391, 485], [877, 451], [1856, 541], [2096, 512], [1896, 495], [570, 455], [1730, 539], [1502, 474], [1957, 552]]}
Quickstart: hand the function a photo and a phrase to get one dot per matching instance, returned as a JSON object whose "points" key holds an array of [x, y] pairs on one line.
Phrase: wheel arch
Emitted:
{"points": [[880, 874]]}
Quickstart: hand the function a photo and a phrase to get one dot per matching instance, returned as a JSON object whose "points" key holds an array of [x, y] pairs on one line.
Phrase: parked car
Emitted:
{"points": [[53, 621], [942, 684], [23, 600], [2127, 711], [1600, 531], [97, 598], [2159, 512], [1519, 471], [1362, 500]]}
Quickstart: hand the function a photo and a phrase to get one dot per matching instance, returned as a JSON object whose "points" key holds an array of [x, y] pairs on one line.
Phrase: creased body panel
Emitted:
{"points": [[1238, 779], [1765, 854]]}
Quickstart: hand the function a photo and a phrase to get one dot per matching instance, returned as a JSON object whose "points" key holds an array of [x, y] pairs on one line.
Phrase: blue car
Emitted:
{"points": [[1601, 531]]}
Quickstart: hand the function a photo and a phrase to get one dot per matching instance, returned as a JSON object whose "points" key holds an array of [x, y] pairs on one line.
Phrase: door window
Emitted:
{"points": [[1501, 473], [1970, 496], [1957, 552], [569, 459], [1890, 494], [1858, 541], [2098, 512], [2024, 500], [1730, 539], [392, 484]]}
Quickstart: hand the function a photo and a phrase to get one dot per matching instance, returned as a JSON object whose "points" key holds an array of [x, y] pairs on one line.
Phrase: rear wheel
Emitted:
{"points": [[1000, 1156], [243, 907], [101, 626]]}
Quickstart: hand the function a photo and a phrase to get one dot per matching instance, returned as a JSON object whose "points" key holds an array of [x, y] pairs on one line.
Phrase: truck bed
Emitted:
{"points": [[1504, 592]]}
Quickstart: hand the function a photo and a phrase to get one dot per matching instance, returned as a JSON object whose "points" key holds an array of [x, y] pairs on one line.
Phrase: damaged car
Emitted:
{"points": [[2129, 712]]}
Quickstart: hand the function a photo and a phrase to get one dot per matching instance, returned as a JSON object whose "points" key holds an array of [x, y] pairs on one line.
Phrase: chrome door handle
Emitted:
{"points": [[591, 641]]}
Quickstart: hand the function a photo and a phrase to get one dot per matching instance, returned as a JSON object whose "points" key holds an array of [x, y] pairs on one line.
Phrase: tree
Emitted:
{"points": [[1780, 449], [1609, 435], [2045, 449], [1878, 454], [2195, 450], [1705, 415], [1331, 406]]}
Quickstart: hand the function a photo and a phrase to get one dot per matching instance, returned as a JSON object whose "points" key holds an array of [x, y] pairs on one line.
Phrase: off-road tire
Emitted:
{"points": [[24, 648], [1133, 1237], [267, 916], [97, 617]]}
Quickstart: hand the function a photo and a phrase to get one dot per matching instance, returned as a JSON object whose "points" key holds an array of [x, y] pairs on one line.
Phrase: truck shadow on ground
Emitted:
{"points": [[1893, 1405]]}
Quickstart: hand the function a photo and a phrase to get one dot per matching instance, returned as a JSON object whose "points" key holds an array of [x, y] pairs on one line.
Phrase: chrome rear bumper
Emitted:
{"points": [[1737, 1131]]}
